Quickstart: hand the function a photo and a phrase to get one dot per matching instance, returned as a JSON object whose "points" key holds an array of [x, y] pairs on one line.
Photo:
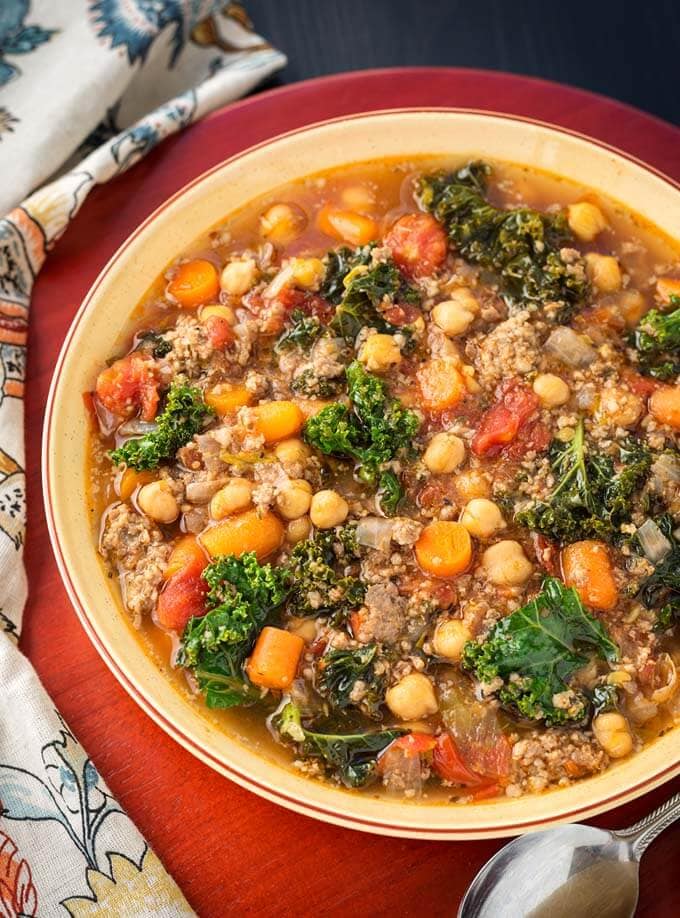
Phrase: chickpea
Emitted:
{"points": [[444, 453], [620, 407], [294, 499], [551, 390], [303, 627], [328, 509], [298, 530], [604, 272], [613, 734], [505, 564], [222, 312], [632, 306], [455, 315], [239, 276], [449, 638], [585, 220], [412, 698], [293, 450], [472, 483], [358, 197], [281, 223], [307, 272], [235, 496], [157, 501], [379, 352], [482, 517]]}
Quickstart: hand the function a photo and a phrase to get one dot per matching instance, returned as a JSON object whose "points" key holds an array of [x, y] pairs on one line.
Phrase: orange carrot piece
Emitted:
{"points": [[664, 404], [346, 225], [442, 386], [227, 397], [444, 549], [587, 568], [186, 552], [278, 420], [275, 659], [195, 282], [242, 533], [130, 480]]}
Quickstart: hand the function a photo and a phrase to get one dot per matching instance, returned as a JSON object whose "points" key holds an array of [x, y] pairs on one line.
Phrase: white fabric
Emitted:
{"points": [[87, 87]]}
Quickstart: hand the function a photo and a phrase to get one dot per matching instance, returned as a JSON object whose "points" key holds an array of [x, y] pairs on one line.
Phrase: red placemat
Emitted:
{"points": [[231, 852]]}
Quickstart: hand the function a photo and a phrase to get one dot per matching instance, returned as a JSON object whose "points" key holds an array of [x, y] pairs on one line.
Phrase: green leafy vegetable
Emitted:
{"points": [[156, 343], [657, 341], [242, 596], [319, 585], [351, 757], [603, 698], [182, 418], [523, 246], [589, 500], [301, 333], [309, 384], [536, 650], [339, 263], [338, 672], [372, 432], [390, 492], [661, 590]]}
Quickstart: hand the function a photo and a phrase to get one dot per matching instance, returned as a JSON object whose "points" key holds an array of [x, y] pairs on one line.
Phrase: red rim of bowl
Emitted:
{"points": [[241, 777]]}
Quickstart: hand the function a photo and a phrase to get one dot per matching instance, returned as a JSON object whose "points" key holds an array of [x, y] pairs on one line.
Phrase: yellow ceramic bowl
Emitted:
{"points": [[103, 317]]}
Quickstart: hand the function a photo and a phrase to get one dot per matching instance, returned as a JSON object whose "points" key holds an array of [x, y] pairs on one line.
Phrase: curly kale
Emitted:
{"points": [[589, 500], [241, 597], [603, 698], [339, 263], [154, 342], [301, 333], [657, 341], [522, 246], [352, 758], [536, 650], [307, 383], [390, 492], [319, 585], [338, 671], [182, 418], [372, 432], [661, 590]]}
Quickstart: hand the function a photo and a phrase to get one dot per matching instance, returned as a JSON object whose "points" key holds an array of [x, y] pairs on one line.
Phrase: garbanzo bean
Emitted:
{"points": [[292, 450], [281, 223], [613, 734], [412, 698], [235, 496], [585, 220], [455, 315], [294, 499], [604, 272], [328, 509], [551, 390], [157, 501], [379, 352], [505, 564], [482, 517], [449, 638], [239, 276], [444, 453]]}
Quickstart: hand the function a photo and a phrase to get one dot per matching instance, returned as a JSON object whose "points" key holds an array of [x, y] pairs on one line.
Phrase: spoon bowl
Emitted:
{"points": [[572, 871]]}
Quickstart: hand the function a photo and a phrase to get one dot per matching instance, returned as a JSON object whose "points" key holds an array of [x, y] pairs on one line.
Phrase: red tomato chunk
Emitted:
{"points": [[129, 386], [183, 598], [418, 244], [515, 407]]}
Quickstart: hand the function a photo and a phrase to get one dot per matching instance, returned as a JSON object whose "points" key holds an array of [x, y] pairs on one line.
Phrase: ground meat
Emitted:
{"points": [[511, 349], [270, 478], [553, 757], [134, 546], [383, 616], [406, 531], [191, 351]]}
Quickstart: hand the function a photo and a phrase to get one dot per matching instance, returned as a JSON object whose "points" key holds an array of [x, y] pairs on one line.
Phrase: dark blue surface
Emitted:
{"points": [[630, 51]]}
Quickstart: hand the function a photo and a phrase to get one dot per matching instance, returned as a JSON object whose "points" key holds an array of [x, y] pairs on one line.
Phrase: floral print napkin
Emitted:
{"points": [[87, 87]]}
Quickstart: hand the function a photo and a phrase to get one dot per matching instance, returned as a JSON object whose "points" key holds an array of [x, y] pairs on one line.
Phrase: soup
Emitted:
{"points": [[387, 472]]}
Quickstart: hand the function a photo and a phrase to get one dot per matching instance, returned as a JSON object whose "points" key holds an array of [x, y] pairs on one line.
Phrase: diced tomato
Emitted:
{"points": [[418, 244], [643, 386], [310, 303], [534, 437], [129, 385], [220, 332], [401, 314], [547, 553], [415, 743], [515, 406], [182, 598], [449, 765], [436, 493], [486, 791]]}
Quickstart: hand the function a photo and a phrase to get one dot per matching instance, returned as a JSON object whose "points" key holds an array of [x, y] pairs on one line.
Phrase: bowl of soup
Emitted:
{"points": [[372, 500]]}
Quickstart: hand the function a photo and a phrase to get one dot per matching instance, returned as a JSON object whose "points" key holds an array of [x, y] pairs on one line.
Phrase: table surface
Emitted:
{"points": [[232, 852]]}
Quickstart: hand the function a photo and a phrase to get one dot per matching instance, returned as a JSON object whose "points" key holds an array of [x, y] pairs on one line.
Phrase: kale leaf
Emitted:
{"points": [[339, 670], [301, 333], [661, 589], [536, 650], [390, 492], [523, 246], [307, 383], [316, 586], [589, 499], [241, 597], [657, 341], [339, 263], [372, 432], [182, 418], [351, 757], [155, 342]]}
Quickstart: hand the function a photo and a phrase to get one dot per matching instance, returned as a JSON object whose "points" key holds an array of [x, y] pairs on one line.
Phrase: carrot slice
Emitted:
{"points": [[587, 568], [242, 533], [346, 225], [444, 548], [194, 283], [226, 397], [186, 552], [278, 420], [442, 386], [275, 659]]}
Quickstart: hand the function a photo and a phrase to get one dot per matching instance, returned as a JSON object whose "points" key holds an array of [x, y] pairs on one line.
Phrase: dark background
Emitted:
{"points": [[630, 51]]}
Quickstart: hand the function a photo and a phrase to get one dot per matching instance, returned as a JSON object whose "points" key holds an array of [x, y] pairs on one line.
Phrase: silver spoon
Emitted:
{"points": [[571, 871]]}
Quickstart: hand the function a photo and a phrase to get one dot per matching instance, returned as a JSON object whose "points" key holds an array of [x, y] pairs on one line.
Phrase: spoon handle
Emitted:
{"points": [[644, 832]]}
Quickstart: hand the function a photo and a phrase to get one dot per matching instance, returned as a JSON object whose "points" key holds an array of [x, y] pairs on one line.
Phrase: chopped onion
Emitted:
{"points": [[654, 543], [375, 532], [200, 492], [665, 679], [569, 347], [136, 428], [666, 467]]}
